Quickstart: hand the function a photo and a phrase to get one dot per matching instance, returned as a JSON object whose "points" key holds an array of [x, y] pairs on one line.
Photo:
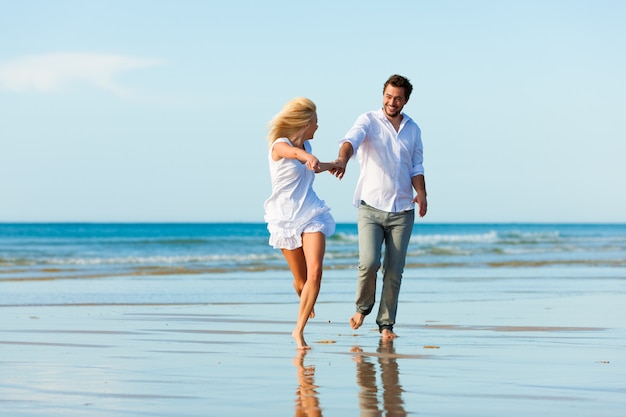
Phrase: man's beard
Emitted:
{"points": [[396, 114]]}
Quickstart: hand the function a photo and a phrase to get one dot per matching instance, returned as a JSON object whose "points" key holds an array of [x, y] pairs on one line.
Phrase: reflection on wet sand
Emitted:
{"points": [[307, 402], [392, 403]]}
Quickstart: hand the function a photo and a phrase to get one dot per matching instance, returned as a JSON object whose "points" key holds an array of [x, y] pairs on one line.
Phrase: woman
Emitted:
{"points": [[298, 221]]}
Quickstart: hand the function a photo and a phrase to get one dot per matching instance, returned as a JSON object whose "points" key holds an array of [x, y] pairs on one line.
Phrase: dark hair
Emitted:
{"points": [[401, 82]]}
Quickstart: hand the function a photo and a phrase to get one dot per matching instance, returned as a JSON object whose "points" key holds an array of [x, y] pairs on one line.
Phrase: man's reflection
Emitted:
{"points": [[307, 403], [392, 403]]}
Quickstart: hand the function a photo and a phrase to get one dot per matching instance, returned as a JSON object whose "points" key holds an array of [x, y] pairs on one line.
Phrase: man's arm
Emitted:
{"points": [[419, 183], [345, 153]]}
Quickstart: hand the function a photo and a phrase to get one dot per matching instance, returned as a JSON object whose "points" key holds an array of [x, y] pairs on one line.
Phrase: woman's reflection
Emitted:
{"points": [[392, 403], [307, 403]]}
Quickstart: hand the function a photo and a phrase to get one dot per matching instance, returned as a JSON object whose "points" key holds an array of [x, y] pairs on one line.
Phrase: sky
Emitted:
{"points": [[157, 111]]}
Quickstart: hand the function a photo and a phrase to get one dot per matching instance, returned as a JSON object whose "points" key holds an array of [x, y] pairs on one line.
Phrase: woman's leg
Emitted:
{"points": [[312, 257], [297, 265]]}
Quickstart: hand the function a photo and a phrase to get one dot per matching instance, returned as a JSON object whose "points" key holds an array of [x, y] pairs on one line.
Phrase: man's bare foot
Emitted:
{"points": [[299, 338], [357, 320], [388, 334]]}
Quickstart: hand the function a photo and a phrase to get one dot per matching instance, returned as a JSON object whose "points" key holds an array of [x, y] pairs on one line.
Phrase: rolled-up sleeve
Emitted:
{"points": [[418, 155], [357, 133]]}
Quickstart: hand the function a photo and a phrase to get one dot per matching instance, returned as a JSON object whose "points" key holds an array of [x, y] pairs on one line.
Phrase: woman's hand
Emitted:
{"points": [[312, 162]]}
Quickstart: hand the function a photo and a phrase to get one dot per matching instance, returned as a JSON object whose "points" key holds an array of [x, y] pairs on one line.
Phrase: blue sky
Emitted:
{"points": [[141, 111]]}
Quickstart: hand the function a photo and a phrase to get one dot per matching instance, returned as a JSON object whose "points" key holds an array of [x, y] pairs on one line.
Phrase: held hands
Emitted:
{"points": [[326, 166], [316, 166], [339, 168]]}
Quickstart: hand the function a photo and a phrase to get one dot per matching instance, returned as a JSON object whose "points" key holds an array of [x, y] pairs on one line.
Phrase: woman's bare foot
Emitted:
{"points": [[388, 334], [312, 315], [299, 338], [357, 320]]}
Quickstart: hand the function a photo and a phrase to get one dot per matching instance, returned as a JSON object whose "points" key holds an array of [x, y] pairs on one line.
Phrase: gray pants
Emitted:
{"points": [[376, 227]]}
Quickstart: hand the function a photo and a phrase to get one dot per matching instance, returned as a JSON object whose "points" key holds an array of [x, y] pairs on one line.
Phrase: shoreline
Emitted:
{"points": [[541, 355]]}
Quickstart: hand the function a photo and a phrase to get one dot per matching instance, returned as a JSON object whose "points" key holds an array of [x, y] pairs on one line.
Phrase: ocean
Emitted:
{"points": [[105, 254]]}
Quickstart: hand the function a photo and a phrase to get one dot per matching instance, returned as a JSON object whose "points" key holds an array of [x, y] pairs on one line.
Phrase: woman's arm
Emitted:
{"points": [[284, 150]]}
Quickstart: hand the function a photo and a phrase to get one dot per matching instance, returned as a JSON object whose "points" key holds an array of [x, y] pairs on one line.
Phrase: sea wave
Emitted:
{"points": [[69, 273], [435, 239], [133, 260], [428, 239], [489, 237], [101, 249]]}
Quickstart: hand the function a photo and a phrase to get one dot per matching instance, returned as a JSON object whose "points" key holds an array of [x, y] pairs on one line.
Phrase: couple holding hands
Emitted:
{"points": [[388, 146]]}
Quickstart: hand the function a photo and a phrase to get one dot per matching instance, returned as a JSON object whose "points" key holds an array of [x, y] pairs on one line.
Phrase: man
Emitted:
{"points": [[388, 146]]}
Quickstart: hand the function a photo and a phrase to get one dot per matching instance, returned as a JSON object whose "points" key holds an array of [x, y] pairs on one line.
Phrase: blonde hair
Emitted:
{"points": [[294, 116]]}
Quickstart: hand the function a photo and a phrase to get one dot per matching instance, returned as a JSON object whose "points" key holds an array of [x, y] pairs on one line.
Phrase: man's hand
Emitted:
{"points": [[340, 168], [422, 204], [345, 153]]}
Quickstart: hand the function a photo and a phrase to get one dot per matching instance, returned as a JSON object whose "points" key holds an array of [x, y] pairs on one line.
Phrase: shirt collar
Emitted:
{"points": [[405, 118]]}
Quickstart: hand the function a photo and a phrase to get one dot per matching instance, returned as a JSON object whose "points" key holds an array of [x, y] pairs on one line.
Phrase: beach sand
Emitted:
{"points": [[557, 354]]}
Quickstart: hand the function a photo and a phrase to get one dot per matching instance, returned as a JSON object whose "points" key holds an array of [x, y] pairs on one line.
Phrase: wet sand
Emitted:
{"points": [[557, 355]]}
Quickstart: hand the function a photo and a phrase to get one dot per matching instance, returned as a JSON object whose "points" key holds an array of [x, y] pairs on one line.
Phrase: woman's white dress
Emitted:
{"points": [[294, 208]]}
